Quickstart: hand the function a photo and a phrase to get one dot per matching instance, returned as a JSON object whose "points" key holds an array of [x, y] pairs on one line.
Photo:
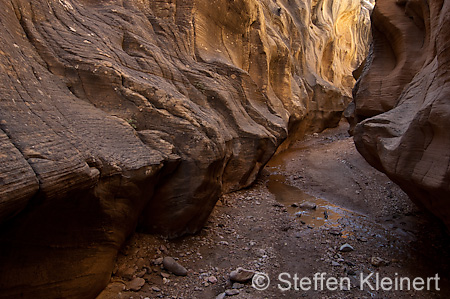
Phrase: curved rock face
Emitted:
{"points": [[117, 114], [402, 100]]}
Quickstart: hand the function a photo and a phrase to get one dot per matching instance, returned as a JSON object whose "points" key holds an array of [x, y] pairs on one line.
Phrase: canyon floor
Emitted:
{"points": [[273, 227]]}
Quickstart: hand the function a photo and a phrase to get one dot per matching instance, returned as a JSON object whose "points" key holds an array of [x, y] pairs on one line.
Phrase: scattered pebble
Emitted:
{"points": [[158, 261], [238, 285], [335, 231], [335, 264], [126, 272], [141, 273], [141, 263], [221, 296], [261, 252], [308, 205], [232, 292], [241, 275], [136, 284], [212, 279], [173, 266], [346, 248], [378, 261]]}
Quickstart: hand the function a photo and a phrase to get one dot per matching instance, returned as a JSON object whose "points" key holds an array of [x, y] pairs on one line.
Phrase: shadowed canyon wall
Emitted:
{"points": [[402, 101], [123, 114]]}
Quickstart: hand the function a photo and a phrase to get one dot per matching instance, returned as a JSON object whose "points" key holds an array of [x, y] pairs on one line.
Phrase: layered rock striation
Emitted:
{"points": [[401, 103], [123, 114]]}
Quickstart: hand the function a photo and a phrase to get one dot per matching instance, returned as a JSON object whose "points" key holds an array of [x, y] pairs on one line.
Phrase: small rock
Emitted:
{"points": [[298, 214], [238, 285], [221, 296], [295, 205], [156, 289], [261, 252], [165, 275], [125, 272], [346, 248], [232, 292], [158, 261], [335, 264], [212, 279], [141, 273], [335, 231], [116, 286], [136, 284], [285, 228], [350, 263], [361, 239], [224, 243], [141, 263], [241, 275], [308, 205], [173, 266], [378, 261]]}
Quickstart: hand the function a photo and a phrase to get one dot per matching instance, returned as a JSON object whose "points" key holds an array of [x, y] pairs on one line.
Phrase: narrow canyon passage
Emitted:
{"points": [[122, 121], [307, 203]]}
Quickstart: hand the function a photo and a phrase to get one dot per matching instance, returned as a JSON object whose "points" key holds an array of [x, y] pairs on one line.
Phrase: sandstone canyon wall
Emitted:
{"points": [[123, 114], [401, 103]]}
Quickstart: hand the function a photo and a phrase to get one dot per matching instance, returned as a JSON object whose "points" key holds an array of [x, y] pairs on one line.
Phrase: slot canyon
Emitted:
{"points": [[224, 148]]}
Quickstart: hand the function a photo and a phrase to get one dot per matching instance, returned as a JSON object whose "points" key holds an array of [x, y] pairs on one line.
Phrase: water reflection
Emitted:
{"points": [[301, 204]]}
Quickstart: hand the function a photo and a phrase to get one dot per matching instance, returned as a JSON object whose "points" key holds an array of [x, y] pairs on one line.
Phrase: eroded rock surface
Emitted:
{"points": [[402, 100], [118, 114]]}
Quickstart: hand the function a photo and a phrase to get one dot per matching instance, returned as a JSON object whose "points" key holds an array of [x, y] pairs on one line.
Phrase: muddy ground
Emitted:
{"points": [[266, 228]]}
